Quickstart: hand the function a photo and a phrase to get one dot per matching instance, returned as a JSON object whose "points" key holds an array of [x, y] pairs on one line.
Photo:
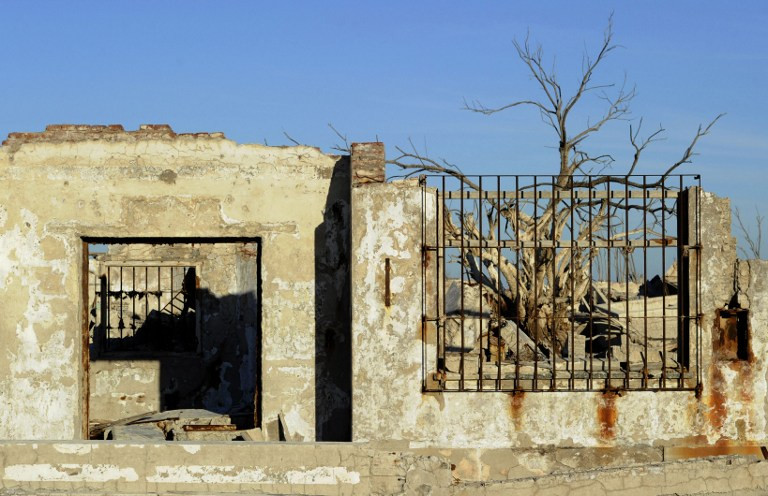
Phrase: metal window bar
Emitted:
{"points": [[143, 308], [550, 283]]}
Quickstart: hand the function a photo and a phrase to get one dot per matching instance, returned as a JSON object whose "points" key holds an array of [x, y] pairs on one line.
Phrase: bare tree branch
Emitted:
{"points": [[295, 142], [418, 163], [689, 153], [345, 148], [754, 244]]}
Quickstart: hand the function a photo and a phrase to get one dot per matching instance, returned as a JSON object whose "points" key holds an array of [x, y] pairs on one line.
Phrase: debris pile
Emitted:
{"points": [[173, 425]]}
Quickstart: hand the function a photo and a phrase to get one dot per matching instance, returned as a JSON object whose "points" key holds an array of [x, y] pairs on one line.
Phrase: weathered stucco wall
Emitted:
{"points": [[211, 468], [72, 182], [387, 359], [335, 468]]}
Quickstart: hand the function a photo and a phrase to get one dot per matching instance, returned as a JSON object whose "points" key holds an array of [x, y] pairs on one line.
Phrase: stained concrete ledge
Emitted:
{"points": [[213, 468], [703, 476], [98, 467]]}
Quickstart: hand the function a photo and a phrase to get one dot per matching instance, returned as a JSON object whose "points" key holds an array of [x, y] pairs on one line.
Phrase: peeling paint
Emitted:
{"points": [[74, 449], [69, 472], [323, 475], [230, 474]]}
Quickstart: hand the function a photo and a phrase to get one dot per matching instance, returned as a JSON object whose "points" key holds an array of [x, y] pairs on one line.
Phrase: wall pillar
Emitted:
{"points": [[368, 163]]}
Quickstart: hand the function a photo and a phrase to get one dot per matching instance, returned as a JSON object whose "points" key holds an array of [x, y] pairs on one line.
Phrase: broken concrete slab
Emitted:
{"points": [[135, 433]]}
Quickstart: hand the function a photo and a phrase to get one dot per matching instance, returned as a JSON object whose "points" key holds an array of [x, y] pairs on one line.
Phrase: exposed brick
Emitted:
{"points": [[368, 163], [57, 133]]}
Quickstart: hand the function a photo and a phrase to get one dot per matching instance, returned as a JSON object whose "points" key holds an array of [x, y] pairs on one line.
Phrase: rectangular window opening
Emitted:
{"points": [[173, 324], [550, 283]]}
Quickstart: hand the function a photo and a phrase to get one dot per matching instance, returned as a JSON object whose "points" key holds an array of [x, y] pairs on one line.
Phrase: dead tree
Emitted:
{"points": [[545, 272]]}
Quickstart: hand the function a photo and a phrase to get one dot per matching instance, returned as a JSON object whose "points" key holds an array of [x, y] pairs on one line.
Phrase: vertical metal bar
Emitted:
{"points": [[387, 277], [591, 299], [699, 338], [682, 280], [481, 239], [159, 293], [121, 322], [133, 301], [461, 286], [535, 284], [609, 353], [438, 267], [173, 307], [103, 328], [628, 365], [443, 321], [108, 338], [498, 283], [85, 344], [645, 282], [663, 285], [424, 282], [423, 285], [146, 293], [518, 248], [572, 272], [553, 284]]}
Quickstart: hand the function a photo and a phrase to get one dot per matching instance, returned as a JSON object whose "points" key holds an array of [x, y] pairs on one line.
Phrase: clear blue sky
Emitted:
{"points": [[396, 70]]}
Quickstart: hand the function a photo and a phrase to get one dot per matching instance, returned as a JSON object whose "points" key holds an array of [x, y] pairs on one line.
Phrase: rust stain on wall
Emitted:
{"points": [[607, 415], [716, 399], [720, 448], [517, 399], [731, 344], [426, 259], [746, 391]]}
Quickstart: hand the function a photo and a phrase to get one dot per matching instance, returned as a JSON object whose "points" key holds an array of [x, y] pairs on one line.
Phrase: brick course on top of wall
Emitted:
{"points": [[114, 132]]}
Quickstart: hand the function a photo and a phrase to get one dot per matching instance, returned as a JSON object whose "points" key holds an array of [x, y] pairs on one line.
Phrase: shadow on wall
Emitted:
{"points": [[333, 350], [222, 374]]}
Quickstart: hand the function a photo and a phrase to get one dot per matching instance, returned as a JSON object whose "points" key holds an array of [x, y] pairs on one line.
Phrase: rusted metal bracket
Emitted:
{"points": [[387, 277], [617, 391], [698, 390]]}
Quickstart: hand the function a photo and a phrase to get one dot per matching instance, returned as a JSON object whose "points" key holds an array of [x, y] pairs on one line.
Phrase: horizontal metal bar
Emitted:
{"points": [[565, 194], [140, 264], [209, 428], [546, 243], [583, 177], [509, 387]]}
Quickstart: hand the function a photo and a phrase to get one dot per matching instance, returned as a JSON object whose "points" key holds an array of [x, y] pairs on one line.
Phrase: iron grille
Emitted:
{"points": [[145, 309], [560, 283]]}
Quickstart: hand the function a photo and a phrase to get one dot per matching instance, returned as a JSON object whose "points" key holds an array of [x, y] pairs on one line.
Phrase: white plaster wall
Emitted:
{"points": [[388, 403], [53, 193]]}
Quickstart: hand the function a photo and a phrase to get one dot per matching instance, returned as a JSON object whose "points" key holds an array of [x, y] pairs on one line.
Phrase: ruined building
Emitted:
{"points": [[179, 312]]}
